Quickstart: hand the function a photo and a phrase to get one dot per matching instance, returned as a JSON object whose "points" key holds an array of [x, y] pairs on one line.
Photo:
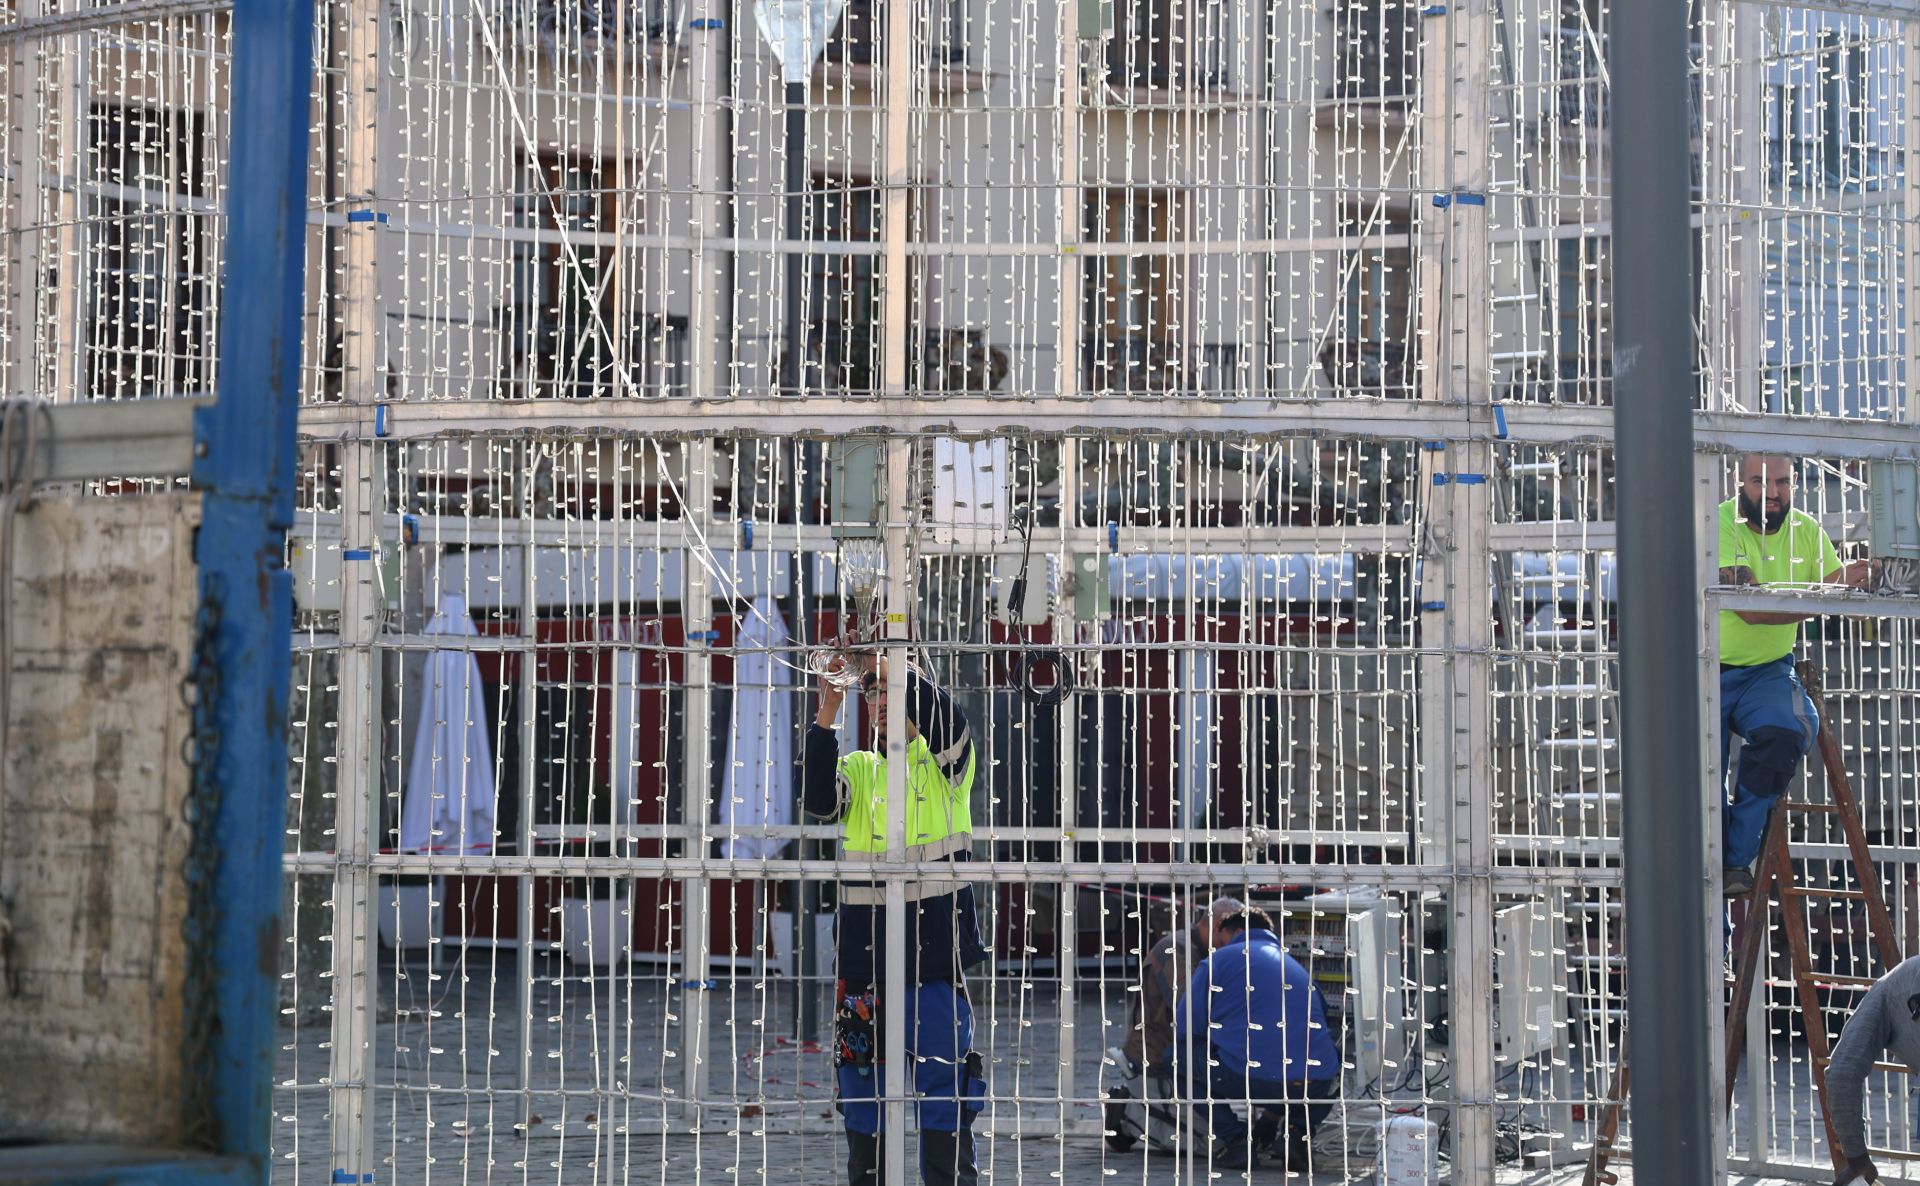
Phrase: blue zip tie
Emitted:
{"points": [[1460, 479], [700, 985], [1442, 200], [1432, 607], [1434, 10], [380, 426], [746, 534], [709, 22], [1113, 536], [1433, 446], [1500, 422], [409, 529], [367, 216], [349, 1178], [357, 554], [703, 636], [1471, 199]]}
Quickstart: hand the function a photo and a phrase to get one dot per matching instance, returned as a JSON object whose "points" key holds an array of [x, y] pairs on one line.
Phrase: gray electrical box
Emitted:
{"points": [[857, 495], [1090, 598], [1893, 504], [1096, 20]]}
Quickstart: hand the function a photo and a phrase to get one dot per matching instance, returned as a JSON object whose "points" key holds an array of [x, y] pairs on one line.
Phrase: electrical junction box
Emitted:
{"points": [[1096, 20], [857, 494], [1034, 602], [1893, 507], [968, 484], [1092, 599], [1529, 967], [317, 565]]}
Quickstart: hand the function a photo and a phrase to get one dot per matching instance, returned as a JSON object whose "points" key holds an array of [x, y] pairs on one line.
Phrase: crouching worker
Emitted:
{"points": [[1253, 1030], [1887, 1021], [943, 933]]}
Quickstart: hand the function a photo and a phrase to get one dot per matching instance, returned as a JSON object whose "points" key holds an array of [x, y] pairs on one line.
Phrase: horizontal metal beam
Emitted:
{"points": [[975, 416], [1832, 600], [106, 16], [135, 438], [1386, 877], [1883, 10]]}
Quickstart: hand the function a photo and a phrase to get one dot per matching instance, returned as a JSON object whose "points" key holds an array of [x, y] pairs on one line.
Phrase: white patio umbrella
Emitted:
{"points": [[449, 801]]}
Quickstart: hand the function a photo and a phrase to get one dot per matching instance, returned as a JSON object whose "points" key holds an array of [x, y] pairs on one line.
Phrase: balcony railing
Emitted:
{"points": [[571, 33], [846, 358], [543, 358], [1144, 364], [860, 39], [1168, 45], [1376, 50], [1355, 366]]}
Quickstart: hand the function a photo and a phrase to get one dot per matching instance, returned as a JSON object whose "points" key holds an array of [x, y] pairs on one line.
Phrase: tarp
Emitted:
{"points": [[757, 789], [449, 800]]}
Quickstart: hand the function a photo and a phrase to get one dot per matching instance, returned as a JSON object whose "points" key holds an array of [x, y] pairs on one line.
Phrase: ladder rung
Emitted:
{"points": [[1899, 1068], [1838, 981], [1798, 805], [1814, 891], [1565, 689], [1896, 1154]]}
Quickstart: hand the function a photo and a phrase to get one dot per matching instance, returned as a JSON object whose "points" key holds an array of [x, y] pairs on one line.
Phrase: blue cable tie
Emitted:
{"points": [[1113, 536], [380, 426], [1471, 199], [701, 985], [1432, 607], [703, 636], [357, 554], [349, 1178], [1443, 200], [1434, 10], [709, 22], [746, 533], [1460, 479], [409, 529], [1433, 446], [367, 216], [1500, 422]]}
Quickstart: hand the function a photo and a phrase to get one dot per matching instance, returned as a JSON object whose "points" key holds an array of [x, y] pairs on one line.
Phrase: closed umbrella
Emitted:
{"points": [[757, 790], [449, 801]]}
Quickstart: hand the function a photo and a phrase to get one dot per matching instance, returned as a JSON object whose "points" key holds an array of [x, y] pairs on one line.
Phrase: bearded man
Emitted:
{"points": [[1765, 539]]}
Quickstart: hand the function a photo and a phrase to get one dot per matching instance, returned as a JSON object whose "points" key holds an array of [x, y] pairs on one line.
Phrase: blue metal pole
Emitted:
{"points": [[245, 467]]}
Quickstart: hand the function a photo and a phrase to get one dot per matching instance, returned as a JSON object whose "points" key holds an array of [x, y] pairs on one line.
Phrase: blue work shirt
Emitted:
{"points": [[1259, 1010]]}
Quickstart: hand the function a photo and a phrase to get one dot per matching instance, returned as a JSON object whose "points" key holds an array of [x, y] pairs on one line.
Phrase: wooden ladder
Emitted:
{"points": [[1774, 880]]}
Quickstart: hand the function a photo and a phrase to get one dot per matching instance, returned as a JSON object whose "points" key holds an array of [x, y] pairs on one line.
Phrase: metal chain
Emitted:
{"points": [[199, 692]]}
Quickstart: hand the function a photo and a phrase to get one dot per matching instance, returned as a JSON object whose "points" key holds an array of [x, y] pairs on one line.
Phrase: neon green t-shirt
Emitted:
{"points": [[1798, 553]]}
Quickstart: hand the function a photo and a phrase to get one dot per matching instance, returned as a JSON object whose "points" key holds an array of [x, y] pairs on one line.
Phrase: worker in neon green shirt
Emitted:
{"points": [[1765, 539]]}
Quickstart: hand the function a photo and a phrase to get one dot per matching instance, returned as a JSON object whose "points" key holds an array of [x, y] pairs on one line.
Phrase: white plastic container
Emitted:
{"points": [[1409, 1151]]}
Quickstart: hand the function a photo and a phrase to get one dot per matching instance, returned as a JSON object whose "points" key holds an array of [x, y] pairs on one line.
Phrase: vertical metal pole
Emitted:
{"points": [[696, 910], [25, 94], [796, 188], [1072, 206], [898, 1081], [896, 325], [245, 463], [355, 888], [1664, 832], [528, 725], [1909, 293], [1456, 688]]}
